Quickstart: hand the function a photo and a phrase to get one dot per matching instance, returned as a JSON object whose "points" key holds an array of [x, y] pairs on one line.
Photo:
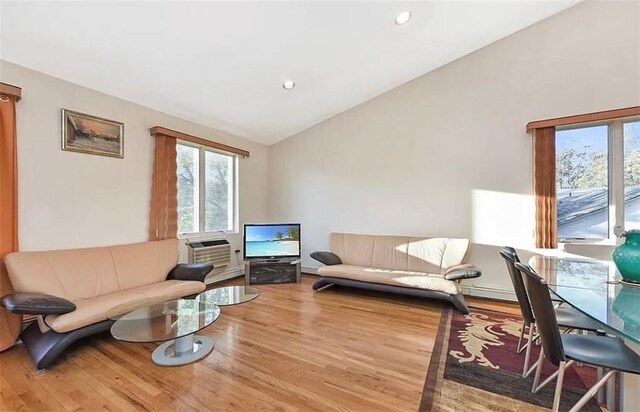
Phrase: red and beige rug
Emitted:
{"points": [[475, 367]]}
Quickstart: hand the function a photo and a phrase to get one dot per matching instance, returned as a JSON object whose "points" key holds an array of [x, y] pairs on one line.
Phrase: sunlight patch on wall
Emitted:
{"points": [[501, 218]]}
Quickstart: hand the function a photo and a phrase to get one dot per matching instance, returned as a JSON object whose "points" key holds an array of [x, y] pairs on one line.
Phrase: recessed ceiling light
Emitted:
{"points": [[403, 17], [288, 85]]}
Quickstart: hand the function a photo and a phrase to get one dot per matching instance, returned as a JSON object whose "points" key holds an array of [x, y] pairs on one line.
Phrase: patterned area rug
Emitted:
{"points": [[474, 367]]}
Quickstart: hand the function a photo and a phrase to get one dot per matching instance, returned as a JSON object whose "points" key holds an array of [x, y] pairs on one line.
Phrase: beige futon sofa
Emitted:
{"points": [[72, 291], [426, 267]]}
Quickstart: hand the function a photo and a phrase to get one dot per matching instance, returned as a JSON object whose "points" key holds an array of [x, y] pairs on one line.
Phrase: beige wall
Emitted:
{"points": [[443, 155], [70, 200], [447, 154]]}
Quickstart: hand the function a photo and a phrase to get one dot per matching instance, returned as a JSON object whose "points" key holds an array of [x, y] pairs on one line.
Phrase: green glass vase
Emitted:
{"points": [[627, 257], [627, 306]]}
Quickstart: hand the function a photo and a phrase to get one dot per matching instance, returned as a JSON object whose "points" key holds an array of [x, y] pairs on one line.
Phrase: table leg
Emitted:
{"points": [[629, 384], [600, 397], [182, 351], [611, 392], [620, 392]]}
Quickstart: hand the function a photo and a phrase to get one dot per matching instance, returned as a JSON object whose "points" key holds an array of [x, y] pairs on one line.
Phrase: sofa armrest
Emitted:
{"points": [[327, 258], [465, 271], [37, 304], [192, 271]]}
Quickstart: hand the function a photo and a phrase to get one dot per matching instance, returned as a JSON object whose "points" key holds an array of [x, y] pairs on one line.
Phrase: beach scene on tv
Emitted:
{"points": [[277, 240]]}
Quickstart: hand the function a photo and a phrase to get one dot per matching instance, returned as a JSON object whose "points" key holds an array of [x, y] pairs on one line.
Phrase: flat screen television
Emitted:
{"points": [[270, 241]]}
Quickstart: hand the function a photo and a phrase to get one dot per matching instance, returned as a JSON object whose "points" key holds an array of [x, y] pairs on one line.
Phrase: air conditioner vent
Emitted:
{"points": [[217, 252]]}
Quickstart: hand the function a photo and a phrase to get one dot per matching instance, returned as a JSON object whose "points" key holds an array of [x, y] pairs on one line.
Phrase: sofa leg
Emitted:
{"points": [[321, 284], [325, 287], [459, 303], [45, 348]]}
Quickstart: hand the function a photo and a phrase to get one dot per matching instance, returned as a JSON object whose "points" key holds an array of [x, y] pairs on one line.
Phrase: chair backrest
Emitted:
{"points": [[511, 258], [429, 255], [511, 250], [546, 321]]}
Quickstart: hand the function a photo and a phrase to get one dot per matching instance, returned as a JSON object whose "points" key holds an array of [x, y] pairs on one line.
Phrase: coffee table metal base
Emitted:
{"points": [[182, 351]]}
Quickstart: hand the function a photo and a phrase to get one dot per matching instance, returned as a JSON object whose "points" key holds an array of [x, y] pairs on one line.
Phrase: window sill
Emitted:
{"points": [[588, 242], [207, 235]]}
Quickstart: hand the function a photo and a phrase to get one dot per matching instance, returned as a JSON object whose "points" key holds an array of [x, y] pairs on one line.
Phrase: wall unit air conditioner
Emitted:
{"points": [[217, 252]]}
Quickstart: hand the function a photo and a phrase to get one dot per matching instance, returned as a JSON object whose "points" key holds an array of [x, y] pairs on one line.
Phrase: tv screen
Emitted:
{"points": [[272, 240]]}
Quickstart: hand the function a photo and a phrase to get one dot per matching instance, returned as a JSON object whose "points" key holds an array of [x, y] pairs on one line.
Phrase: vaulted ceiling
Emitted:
{"points": [[222, 64]]}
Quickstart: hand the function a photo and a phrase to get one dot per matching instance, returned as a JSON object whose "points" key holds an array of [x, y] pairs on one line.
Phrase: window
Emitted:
{"points": [[597, 179], [631, 133], [582, 182], [206, 190], [188, 189]]}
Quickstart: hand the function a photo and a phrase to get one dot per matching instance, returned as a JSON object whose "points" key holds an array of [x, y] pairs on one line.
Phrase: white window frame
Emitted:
{"points": [[233, 195], [615, 167]]}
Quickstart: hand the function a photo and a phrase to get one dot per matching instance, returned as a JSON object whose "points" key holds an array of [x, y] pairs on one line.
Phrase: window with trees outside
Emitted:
{"points": [[598, 179], [206, 190]]}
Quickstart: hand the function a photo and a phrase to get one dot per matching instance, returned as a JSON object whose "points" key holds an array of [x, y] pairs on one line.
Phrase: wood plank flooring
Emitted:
{"points": [[290, 349]]}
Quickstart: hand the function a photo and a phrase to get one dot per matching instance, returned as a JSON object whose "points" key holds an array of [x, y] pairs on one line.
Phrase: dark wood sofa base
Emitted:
{"points": [[45, 348], [457, 300]]}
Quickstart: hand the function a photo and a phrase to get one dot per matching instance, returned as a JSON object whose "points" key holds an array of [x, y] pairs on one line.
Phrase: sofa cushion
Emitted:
{"points": [[89, 311], [71, 274], [171, 288], [390, 252], [416, 254], [77, 274], [145, 263], [353, 249], [401, 278], [95, 310]]}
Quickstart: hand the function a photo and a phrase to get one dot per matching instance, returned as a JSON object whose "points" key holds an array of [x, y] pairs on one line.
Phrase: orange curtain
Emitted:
{"points": [[9, 323], [164, 190], [544, 182]]}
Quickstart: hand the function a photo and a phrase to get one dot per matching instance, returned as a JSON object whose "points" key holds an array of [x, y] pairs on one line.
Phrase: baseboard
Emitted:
{"points": [[226, 275], [309, 271], [488, 292]]}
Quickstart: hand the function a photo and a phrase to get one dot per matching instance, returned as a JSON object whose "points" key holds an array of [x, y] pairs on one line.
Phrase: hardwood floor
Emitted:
{"points": [[290, 349]]}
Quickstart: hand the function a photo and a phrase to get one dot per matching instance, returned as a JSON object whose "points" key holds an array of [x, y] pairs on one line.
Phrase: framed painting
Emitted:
{"points": [[90, 134]]}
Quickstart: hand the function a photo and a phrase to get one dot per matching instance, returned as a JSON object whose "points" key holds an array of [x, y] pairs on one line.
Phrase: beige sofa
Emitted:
{"points": [[72, 291], [427, 267]]}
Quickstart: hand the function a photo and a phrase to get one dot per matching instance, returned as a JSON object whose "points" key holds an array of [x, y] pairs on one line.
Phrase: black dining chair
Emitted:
{"points": [[568, 318], [609, 353]]}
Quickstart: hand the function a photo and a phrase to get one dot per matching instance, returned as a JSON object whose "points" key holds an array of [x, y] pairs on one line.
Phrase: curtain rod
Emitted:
{"points": [[159, 130], [11, 90], [584, 118]]}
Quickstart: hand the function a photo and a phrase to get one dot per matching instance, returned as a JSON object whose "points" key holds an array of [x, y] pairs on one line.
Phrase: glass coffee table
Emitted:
{"points": [[230, 295], [173, 322], [176, 322]]}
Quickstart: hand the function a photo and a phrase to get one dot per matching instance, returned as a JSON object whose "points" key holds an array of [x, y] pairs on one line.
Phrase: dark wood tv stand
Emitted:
{"points": [[271, 271]]}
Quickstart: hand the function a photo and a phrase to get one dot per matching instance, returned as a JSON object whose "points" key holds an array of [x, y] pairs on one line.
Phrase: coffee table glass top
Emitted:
{"points": [[165, 321], [119, 311], [230, 295]]}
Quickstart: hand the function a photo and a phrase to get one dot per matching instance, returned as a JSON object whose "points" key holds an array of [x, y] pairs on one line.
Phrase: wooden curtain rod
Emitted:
{"points": [[584, 118], [11, 90], [159, 130]]}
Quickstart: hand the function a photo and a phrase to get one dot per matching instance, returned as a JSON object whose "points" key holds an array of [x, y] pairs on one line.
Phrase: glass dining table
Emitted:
{"points": [[595, 288]]}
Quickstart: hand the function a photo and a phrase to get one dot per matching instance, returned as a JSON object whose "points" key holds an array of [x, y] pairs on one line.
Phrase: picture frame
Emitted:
{"points": [[89, 134]]}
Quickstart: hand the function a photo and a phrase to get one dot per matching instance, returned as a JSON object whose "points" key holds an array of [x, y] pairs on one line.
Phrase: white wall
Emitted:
{"points": [[70, 200], [447, 154]]}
